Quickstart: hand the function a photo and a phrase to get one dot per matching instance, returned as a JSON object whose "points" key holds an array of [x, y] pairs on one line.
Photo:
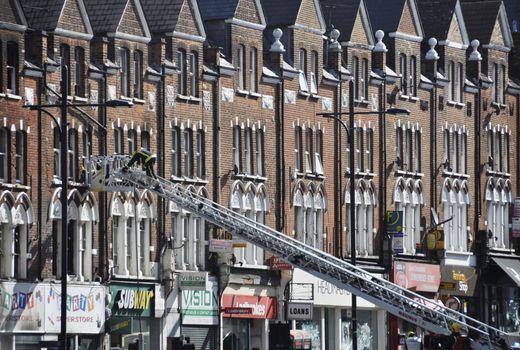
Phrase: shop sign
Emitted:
{"points": [[200, 307], [254, 306], [299, 311], [85, 309], [278, 264], [220, 246], [458, 280], [326, 293], [22, 307], [394, 222], [193, 280], [132, 300], [416, 276]]}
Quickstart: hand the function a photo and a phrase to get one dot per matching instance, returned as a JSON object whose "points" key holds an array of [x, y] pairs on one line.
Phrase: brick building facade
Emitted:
{"points": [[228, 95]]}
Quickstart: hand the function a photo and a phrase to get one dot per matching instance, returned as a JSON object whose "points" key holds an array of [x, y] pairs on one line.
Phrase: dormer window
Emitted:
{"points": [[403, 71], [303, 71], [253, 62], [125, 71], [241, 69], [314, 72], [79, 71], [12, 67], [138, 74]]}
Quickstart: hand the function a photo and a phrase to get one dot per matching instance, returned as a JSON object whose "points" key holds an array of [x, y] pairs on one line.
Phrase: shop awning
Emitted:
{"points": [[458, 280], [511, 267]]}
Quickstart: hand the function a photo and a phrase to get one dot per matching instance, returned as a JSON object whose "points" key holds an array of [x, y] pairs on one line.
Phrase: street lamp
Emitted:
{"points": [[62, 125], [350, 132]]}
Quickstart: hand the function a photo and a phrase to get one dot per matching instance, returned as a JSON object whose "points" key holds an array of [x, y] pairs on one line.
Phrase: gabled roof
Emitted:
{"points": [[437, 15], [12, 16], [105, 16], [481, 17], [46, 14], [285, 13], [513, 13], [341, 14], [42, 14], [212, 10], [386, 14], [163, 15]]}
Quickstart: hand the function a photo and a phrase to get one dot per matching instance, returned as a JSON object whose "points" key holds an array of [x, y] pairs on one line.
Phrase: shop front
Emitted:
{"points": [[457, 288], [329, 324], [133, 308], [200, 314], [501, 302], [423, 279], [31, 313]]}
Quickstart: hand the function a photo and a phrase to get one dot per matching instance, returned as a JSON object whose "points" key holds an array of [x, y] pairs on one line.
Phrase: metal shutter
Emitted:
{"points": [[204, 338]]}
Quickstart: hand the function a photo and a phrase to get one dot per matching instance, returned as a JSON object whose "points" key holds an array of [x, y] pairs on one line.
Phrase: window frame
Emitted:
{"points": [[138, 74], [355, 76], [201, 154], [79, 71], [188, 152], [314, 72], [182, 76], [248, 150], [318, 153], [260, 152], [5, 153], [118, 141], [241, 67], [413, 76], [176, 151], [132, 140], [124, 75], [364, 80], [303, 71], [21, 156], [253, 69], [309, 166], [298, 156], [72, 154], [193, 73], [404, 73], [65, 60], [237, 148]]}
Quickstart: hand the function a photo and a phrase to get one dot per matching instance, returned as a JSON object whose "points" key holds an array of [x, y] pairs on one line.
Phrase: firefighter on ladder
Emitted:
{"points": [[147, 160]]}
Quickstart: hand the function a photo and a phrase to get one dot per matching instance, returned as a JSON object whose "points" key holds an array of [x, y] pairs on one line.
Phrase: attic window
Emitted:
{"points": [[314, 72], [303, 71]]}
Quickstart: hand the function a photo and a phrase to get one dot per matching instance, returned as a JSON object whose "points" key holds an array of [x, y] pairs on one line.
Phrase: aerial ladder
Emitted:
{"points": [[108, 175]]}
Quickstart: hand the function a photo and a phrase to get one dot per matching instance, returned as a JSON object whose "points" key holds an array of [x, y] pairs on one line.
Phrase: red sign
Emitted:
{"points": [[418, 277], [278, 264], [256, 307]]}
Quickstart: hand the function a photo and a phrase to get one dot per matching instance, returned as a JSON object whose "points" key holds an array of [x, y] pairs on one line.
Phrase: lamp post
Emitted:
{"points": [[352, 177], [62, 125]]}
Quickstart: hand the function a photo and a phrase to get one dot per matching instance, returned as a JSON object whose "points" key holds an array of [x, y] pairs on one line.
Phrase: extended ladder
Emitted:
{"points": [[394, 299]]}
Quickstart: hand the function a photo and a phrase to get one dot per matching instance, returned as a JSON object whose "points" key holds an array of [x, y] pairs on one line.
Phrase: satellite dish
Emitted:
{"points": [[435, 217]]}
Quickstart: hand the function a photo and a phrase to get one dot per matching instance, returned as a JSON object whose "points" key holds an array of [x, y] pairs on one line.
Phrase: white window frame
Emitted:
{"points": [[451, 80], [138, 74], [253, 64], [248, 150], [176, 151], [193, 74], [241, 67], [303, 71], [308, 150], [201, 154], [318, 153], [314, 72], [355, 76], [403, 74], [12, 67], [413, 76], [188, 152], [237, 148], [182, 75], [125, 71], [4, 154], [364, 79], [72, 152], [260, 152], [298, 166]]}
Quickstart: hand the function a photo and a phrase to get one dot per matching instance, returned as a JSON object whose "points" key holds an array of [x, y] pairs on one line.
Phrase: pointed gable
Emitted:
{"points": [[130, 22], [187, 20], [11, 15], [309, 15], [454, 33], [408, 22], [247, 11], [360, 33], [497, 37], [73, 17]]}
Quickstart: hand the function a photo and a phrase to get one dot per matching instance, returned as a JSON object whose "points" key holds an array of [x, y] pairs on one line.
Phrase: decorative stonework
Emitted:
{"points": [[289, 97], [326, 104], [170, 95], [267, 102], [206, 100], [227, 94]]}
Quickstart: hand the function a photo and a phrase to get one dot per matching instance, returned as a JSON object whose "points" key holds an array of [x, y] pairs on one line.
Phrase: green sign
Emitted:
{"points": [[132, 300], [394, 222]]}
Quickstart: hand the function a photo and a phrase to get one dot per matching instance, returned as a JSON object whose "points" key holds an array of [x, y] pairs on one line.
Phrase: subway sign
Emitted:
{"points": [[132, 300]]}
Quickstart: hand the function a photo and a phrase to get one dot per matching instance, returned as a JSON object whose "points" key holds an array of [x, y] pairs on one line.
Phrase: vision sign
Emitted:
{"points": [[200, 307]]}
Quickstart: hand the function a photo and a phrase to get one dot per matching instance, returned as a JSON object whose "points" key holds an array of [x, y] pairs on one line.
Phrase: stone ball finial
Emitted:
{"points": [[380, 45], [475, 55], [334, 45], [432, 55], [334, 34], [277, 46]]}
